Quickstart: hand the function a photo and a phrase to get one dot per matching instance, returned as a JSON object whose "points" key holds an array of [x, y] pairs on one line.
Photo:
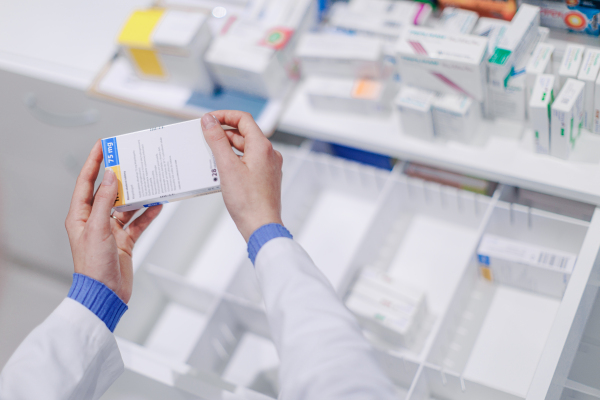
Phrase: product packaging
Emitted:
{"points": [[169, 45], [455, 117], [538, 269], [581, 16], [485, 8], [356, 96], [515, 45], [255, 56], [450, 63], [539, 63], [380, 18], [540, 110], [589, 74], [566, 119], [571, 63], [340, 55], [455, 20], [414, 110], [509, 101], [161, 165], [387, 308]]}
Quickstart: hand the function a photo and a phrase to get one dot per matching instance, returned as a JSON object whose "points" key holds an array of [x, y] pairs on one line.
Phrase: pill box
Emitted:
{"points": [[539, 111], [161, 165], [588, 74], [566, 118]]}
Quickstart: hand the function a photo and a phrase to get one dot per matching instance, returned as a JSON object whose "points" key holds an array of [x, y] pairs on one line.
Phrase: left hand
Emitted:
{"points": [[100, 246]]}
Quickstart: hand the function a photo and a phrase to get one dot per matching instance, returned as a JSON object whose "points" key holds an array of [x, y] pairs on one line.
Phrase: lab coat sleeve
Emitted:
{"points": [[321, 347], [71, 355]]}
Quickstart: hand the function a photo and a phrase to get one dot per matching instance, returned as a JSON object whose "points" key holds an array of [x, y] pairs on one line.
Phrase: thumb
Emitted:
{"points": [[104, 200], [218, 141]]}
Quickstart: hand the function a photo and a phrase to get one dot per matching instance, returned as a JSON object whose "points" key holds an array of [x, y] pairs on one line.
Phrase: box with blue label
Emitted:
{"points": [[538, 269], [161, 165]]}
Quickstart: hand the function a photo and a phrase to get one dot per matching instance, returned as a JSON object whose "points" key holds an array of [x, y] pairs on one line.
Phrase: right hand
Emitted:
{"points": [[251, 184]]}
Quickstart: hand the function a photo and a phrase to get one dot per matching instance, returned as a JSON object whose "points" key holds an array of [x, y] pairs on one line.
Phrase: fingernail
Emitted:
{"points": [[109, 177], [208, 121]]}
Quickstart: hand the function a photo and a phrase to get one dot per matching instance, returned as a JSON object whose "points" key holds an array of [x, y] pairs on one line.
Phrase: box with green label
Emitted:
{"points": [[566, 118], [540, 105]]}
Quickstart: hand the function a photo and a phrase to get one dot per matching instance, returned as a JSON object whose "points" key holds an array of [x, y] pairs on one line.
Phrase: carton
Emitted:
{"points": [[539, 63], [161, 165], [566, 119], [455, 20], [588, 74], [571, 63], [540, 110], [534, 268], [414, 110], [455, 117]]}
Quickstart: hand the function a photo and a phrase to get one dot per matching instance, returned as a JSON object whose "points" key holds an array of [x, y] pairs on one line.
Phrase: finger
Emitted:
{"points": [[124, 217], [236, 139], [137, 227], [83, 194], [218, 142], [246, 126], [104, 202]]}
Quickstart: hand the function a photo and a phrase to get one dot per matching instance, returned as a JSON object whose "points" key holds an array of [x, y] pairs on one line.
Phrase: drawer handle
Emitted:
{"points": [[87, 117]]}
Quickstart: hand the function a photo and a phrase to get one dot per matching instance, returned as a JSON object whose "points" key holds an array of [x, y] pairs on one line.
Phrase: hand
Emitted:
{"points": [[101, 247], [251, 184]]}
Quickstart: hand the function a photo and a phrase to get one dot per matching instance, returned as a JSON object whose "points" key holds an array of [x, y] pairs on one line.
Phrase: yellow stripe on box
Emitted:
{"points": [[137, 31], [120, 201], [147, 62], [486, 273]]}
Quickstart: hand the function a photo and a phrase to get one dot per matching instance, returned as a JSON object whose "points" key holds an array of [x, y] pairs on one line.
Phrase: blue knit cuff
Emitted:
{"points": [[98, 298], [262, 235]]}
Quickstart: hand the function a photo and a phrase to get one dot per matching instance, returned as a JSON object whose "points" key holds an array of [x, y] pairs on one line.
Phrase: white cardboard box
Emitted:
{"points": [[340, 55], [571, 62], [450, 63], [515, 43], [539, 63], [456, 20], [509, 101], [161, 165], [174, 49], [539, 111], [357, 96], [567, 118], [538, 269], [588, 74], [414, 110], [455, 117]]}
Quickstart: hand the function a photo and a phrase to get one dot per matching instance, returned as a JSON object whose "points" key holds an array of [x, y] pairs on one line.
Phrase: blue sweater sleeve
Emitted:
{"points": [[262, 235], [98, 298]]}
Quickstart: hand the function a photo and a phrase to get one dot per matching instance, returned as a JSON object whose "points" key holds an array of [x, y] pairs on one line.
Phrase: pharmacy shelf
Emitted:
{"points": [[198, 323], [505, 155]]}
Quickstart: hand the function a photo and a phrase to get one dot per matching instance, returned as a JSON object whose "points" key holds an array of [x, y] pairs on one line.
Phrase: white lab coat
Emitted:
{"points": [[73, 355]]}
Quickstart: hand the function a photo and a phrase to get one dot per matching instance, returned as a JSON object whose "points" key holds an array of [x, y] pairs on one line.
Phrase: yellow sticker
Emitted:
{"points": [[147, 62], [120, 201], [486, 273], [137, 31], [366, 89]]}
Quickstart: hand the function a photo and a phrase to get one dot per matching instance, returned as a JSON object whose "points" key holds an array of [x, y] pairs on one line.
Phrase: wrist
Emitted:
{"points": [[255, 225]]}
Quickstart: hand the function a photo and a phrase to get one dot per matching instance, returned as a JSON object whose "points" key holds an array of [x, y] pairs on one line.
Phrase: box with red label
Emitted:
{"points": [[573, 15]]}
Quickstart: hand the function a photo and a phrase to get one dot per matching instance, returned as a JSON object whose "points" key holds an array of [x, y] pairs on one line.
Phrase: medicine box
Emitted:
{"points": [[169, 45], [485, 8], [380, 18], [540, 110], [571, 62], [255, 56], [455, 117], [414, 110], [357, 96], [588, 74], [161, 165], [340, 55], [450, 63], [539, 63], [517, 41], [456, 20], [538, 269], [388, 308], [493, 29], [509, 100], [566, 119], [574, 16]]}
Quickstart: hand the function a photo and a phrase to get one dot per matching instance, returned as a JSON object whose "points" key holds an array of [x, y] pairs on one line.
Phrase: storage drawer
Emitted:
{"points": [[48, 131], [197, 304]]}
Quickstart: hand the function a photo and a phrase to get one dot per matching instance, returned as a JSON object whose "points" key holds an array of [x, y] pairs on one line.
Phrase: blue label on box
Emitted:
{"points": [[155, 204], [485, 260], [111, 153]]}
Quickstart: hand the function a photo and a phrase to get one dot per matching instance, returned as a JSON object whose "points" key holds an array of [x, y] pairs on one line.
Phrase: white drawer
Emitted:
{"points": [[44, 146], [197, 307]]}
